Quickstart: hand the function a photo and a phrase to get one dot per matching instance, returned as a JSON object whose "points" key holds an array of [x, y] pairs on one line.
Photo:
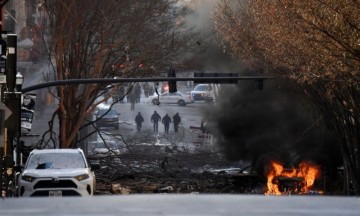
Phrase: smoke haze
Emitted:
{"points": [[275, 123]]}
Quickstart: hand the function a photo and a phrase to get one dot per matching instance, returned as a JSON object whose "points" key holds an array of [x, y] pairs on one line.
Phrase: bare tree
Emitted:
{"points": [[314, 43], [106, 39]]}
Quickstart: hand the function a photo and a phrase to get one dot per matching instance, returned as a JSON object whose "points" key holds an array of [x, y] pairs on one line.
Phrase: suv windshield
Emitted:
{"points": [[56, 161], [202, 88]]}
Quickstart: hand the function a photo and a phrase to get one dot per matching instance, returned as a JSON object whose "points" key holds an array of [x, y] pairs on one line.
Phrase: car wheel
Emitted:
{"points": [[155, 101], [182, 103]]}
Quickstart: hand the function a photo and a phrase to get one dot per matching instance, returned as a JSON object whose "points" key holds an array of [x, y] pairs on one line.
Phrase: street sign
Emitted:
{"points": [[27, 111], [4, 114], [6, 110], [215, 80]]}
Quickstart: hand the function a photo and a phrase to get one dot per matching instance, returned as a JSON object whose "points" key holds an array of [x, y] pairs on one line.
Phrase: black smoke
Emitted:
{"points": [[276, 123]]}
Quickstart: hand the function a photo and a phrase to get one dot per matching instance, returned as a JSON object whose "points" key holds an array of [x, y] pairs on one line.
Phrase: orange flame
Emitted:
{"points": [[306, 174]]}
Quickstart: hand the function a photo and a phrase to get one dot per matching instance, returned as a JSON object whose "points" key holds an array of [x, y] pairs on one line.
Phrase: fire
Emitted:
{"points": [[298, 181], [165, 87]]}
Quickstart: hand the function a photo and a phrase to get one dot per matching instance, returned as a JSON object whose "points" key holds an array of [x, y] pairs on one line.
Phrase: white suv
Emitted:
{"points": [[57, 172], [203, 92]]}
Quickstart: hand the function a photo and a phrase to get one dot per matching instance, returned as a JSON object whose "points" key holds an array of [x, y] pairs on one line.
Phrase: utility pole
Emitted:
{"points": [[9, 98], [12, 100], [3, 87], [12, 96], [172, 84]]}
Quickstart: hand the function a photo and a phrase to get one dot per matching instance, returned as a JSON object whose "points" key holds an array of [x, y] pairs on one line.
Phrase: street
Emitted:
{"points": [[190, 114], [274, 130], [189, 204]]}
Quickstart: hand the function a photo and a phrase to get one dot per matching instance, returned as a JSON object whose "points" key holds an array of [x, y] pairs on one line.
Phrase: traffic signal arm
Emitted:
{"points": [[147, 79]]}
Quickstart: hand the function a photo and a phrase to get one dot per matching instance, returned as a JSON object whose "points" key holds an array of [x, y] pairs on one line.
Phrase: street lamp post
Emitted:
{"points": [[12, 100], [18, 84], [19, 81]]}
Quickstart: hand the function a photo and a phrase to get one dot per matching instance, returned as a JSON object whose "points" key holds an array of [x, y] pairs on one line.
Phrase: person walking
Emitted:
{"points": [[155, 118], [139, 120], [176, 121], [132, 101], [137, 92], [166, 121], [146, 88]]}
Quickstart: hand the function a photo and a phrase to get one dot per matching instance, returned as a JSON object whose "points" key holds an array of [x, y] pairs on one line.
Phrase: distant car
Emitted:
{"points": [[171, 98], [107, 148], [107, 117], [107, 102], [57, 172], [203, 92]]}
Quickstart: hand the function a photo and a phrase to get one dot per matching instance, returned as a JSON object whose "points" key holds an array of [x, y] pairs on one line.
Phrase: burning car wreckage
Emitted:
{"points": [[301, 181], [156, 169], [304, 180]]}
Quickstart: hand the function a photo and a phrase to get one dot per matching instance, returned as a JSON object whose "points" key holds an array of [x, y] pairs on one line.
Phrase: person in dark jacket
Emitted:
{"points": [[137, 92], [166, 121], [176, 121], [132, 97], [155, 118], [139, 120]]}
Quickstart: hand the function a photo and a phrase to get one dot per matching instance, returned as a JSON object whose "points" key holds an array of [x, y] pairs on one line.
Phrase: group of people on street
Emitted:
{"points": [[156, 118], [134, 94], [148, 89]]}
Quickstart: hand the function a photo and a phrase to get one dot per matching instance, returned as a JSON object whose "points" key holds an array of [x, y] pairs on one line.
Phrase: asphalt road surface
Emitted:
{"points": [[191, 114], [182, 205]]}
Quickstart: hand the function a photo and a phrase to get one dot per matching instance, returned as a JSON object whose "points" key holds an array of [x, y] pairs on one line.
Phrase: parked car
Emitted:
{"points": [[107, 117], [106, 102], [171, 98], [57, 172], [105, 146], [203, 92], [108, 148]]}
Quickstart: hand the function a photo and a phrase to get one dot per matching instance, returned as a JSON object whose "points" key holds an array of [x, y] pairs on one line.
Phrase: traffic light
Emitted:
{"points": [[172, 84]]}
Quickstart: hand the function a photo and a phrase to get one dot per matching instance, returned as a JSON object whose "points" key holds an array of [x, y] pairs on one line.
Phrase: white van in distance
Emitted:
{"points": [[203, 92]]}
